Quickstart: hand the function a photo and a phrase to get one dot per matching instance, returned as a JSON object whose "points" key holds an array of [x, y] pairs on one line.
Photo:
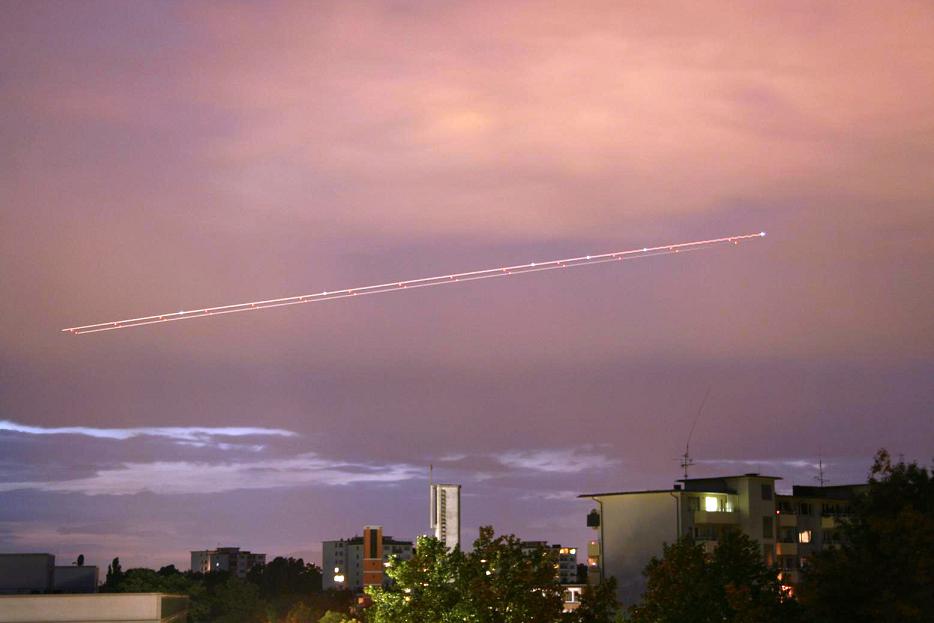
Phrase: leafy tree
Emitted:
{"points": [[427, 588], [497, 582], [286, 582], [114, 576], [598, 603], [299, 613], [80, 561], [734, 585], [332, 617], [884, 568], [336, 617], [237, 601]]}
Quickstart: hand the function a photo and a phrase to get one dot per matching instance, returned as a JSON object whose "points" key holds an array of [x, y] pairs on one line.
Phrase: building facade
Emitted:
{"points": [[230, 559], [38, 573], [351, 564], [445, 514], [632, 526]]}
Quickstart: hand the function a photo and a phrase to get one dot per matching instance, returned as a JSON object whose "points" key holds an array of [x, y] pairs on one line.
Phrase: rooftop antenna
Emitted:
{"points": [[686, 460], [820, 470]]}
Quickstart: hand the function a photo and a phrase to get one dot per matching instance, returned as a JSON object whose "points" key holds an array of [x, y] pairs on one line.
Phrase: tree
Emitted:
{"points": [[80, 561], [299, 613], [598, 603], [336, 617], [734, 584], [499, 581], [113, 578], [884, 568]]}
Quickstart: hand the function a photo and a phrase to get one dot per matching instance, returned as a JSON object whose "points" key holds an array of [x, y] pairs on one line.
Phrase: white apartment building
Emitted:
{"points": [[230, 559], [632, 526], [445, 514], [344, 561]]}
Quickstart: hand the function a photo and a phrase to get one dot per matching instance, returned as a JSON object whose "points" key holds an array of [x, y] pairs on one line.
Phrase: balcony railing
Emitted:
{"points": [[716, 517]]}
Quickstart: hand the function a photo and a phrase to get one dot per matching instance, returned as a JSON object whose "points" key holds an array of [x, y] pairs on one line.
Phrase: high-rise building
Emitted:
{"points": [[229, 559], [445, 518], [352, 563], [632, 526]]}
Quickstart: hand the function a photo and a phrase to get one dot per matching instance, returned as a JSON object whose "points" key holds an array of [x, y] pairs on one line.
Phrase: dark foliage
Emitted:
{"points": [[883, 571], [732, 585]]}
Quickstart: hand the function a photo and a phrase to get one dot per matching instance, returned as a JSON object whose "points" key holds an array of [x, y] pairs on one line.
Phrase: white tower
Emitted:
{"points": [[445, 519]]}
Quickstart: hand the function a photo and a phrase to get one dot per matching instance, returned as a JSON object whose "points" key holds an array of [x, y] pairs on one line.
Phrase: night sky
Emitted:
{"points": [[164, 156]]}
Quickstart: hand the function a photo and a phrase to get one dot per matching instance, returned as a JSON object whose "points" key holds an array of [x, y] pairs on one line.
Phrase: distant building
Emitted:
{"points": [[26, 573], [230, 559], [37, 573], [101, 608], [354, 563], [633, 525], [566, 559], [74, 579], [445, 514]]}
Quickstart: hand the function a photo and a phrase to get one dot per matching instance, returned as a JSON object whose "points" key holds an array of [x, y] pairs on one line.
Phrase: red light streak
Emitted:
{"points": [[424, 282]]}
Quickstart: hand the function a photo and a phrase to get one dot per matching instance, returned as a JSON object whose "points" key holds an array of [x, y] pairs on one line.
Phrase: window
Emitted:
{"points": [[788, 535], [804, 508], [804, 536], [694, 503], [786, 508], [710, 504], [767, 527], [766, 492]]}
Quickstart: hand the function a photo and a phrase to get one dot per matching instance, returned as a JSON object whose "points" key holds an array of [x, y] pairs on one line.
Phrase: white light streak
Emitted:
{"points": [[424, 282]]}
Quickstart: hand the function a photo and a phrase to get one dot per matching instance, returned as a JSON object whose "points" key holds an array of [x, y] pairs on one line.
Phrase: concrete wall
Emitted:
{"points": [[634, 528], [101, 608]]}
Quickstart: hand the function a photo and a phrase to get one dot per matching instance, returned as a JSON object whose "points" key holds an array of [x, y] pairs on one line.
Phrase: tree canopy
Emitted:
{"points": [[499, 581], [732, 585], [883, 569]]}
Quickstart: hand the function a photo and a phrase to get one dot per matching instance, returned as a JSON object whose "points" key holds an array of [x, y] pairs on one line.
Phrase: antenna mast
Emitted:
{"points": [[820, 470], [686, 460]]}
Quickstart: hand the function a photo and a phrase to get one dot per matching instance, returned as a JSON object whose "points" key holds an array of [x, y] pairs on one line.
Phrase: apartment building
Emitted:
{"points": [[632, 526], [359, 561], [808, 521], [232, 559]]}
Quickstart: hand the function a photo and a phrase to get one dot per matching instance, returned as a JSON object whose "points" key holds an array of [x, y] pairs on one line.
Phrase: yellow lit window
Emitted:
{"points": [[711, 505], [804, 536]]}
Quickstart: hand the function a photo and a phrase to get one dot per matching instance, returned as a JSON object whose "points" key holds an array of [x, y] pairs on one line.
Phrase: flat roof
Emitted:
{"points": [[750, 475], [597, 495]]}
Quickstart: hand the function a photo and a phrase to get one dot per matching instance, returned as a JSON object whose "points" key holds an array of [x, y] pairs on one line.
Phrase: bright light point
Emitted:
{"points": [[415, 283]]}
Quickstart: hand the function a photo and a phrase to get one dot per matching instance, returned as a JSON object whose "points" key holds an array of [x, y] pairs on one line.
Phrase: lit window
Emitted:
{"points": [[710, 504], [804, 536]]}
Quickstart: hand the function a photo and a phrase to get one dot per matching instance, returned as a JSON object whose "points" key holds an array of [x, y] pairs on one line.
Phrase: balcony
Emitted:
{"points": [[716, 517], [787, 520], [786, 549], [829, 521]]}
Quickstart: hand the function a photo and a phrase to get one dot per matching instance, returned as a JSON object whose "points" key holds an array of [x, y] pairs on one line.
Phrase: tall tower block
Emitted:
{"points": [[445, 518]]}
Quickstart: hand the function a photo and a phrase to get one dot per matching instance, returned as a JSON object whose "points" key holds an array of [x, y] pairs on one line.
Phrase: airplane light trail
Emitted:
{"points": [[393, 286]]}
